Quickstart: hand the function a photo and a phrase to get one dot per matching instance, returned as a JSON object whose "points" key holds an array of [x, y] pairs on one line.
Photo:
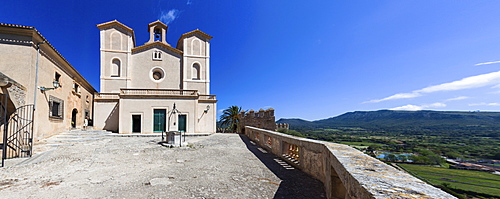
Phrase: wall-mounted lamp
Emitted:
{"points": [[208, 108], [54, 83]]}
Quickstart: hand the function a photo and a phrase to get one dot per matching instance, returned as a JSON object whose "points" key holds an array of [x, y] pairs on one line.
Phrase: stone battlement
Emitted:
{"points": [[263, 119], [344, 171]]}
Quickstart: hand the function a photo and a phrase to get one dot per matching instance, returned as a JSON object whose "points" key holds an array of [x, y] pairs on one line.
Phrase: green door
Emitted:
{"points": [[159, 120], [182, 123]]}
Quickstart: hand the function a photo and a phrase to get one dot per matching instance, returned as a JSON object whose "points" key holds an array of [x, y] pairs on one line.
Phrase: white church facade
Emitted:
{"points": [[154, 87]]}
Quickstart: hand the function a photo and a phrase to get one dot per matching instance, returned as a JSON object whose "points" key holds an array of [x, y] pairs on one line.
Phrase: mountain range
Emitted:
{"points": [[388, 120]]}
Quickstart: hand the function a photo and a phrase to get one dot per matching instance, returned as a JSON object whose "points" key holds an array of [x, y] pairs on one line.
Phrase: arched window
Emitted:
{"points": [[115, 68], [116, 41], [196, 47], [157, 34], [196, 71]]}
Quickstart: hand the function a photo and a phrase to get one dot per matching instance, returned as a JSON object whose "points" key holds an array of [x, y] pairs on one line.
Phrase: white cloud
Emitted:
{"points": [[486, 63], [408, 107], [485, 104], [411, 107], [398, 96], [435, 105], [465, 83], [169, 16], [457, 98]]}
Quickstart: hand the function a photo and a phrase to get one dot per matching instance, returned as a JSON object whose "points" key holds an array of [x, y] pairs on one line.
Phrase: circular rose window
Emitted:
{"points": [[157, 74]]}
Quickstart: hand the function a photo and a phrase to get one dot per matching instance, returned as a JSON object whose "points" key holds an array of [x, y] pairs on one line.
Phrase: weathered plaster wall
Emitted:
{"points": [[106, 115], [196, 51], [145, 107], [345, 171], [143, 64], [206, 120], [18, 56]]}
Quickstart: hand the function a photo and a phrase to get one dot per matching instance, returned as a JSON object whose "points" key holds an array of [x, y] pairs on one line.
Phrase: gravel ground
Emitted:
{"points": [[97, 165]]}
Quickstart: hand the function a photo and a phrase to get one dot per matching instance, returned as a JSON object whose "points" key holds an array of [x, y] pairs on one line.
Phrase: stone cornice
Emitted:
{"points": [[197, 31], [112, 23], [157, 23], [159, 43]]}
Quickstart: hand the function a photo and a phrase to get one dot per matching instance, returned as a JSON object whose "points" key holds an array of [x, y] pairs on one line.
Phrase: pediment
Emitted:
{"points": [[158, 45]]}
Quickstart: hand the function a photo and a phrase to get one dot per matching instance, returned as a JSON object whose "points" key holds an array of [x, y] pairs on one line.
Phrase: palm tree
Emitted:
{"points": [[230, 117]]}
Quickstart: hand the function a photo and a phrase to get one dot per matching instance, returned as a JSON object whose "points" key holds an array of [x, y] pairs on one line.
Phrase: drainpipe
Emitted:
{"points": [[36, 74]]}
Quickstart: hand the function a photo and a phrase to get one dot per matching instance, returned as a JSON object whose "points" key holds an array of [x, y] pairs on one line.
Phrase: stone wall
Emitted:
{"points": [[345, 171], [263, 119], [282, 126]]}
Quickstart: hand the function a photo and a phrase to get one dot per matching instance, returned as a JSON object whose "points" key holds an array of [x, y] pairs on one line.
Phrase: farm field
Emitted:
{"points": [[475, 181]]}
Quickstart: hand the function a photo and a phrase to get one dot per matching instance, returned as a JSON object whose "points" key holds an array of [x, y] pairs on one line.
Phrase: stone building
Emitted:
{"points": [[59, 95], [154, 87]]}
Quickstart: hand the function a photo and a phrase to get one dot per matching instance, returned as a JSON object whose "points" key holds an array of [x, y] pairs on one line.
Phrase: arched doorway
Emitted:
{"points": [[73, 118]]}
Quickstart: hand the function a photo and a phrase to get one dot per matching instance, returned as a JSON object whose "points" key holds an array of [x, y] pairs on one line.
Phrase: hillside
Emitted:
{"points": [[426, 122]]}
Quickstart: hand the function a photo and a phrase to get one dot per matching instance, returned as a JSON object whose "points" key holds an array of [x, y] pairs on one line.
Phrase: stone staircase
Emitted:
{"points": [[76, 136]]}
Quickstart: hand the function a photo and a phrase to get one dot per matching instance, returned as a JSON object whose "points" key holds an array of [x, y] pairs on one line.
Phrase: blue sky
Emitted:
{"points": [[306, 59]]}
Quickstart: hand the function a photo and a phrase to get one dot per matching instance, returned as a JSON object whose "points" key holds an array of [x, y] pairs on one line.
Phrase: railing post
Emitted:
{"points": [[3, 117]]}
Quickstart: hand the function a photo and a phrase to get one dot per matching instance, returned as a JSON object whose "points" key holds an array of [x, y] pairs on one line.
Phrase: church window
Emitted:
{"points": [[157, 74], [157, 55], [196, 71], [115, 68]]}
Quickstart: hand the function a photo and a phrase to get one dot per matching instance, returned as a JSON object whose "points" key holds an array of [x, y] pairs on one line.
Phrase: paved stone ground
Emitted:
{"points": [[95, 164]]}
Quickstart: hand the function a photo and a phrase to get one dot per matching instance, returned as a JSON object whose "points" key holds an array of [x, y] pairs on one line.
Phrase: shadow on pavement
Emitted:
{"points": [[295, 183]]}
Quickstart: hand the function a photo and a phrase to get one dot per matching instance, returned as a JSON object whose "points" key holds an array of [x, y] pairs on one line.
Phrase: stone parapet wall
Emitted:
{"points": [[282, 126], [345, 171]]}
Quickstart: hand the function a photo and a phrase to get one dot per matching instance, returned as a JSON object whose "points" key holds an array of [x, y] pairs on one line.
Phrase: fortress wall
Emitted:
{"points": [[263, 119], [345, 171]]}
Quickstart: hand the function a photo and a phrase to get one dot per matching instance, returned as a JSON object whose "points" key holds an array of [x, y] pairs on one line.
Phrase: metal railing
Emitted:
{"points": [[3, 122], [18, 134]]}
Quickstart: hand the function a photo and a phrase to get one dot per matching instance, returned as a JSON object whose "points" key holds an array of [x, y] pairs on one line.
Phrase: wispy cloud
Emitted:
{"points": [[486, 63], [465, 83], [457, 98], [397, 96], [485, 104], [169, 16], [189, 2], [411, 107]]}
